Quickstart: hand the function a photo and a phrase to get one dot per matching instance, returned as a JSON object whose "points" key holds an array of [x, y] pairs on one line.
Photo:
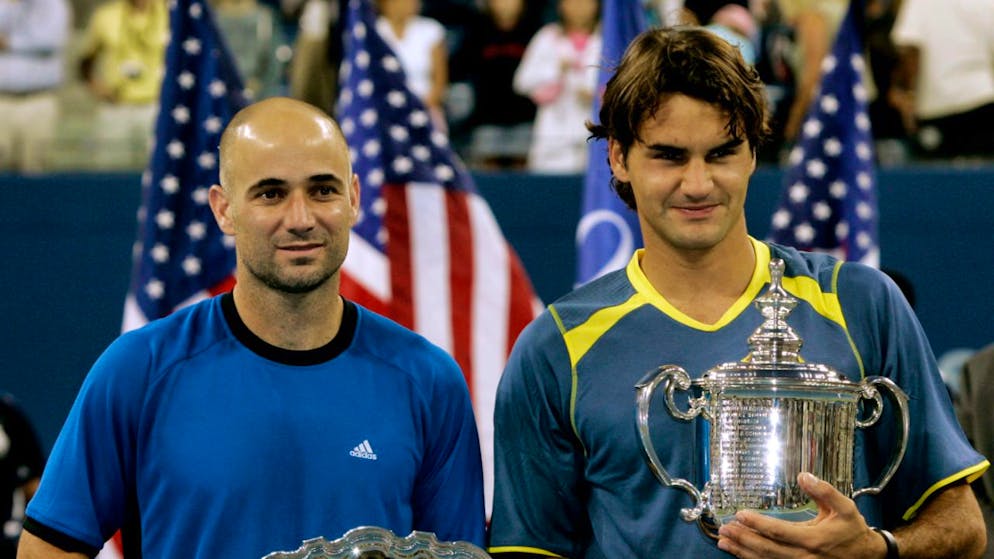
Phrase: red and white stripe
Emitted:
{"points": [[450, 275]]}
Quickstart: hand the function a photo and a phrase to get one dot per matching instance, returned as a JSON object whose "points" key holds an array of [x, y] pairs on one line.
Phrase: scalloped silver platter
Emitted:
{"points": [[370, 542]]}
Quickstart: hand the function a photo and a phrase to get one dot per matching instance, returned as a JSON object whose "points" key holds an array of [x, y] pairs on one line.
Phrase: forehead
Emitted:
{"points": [[679, 118], [287, 150]]}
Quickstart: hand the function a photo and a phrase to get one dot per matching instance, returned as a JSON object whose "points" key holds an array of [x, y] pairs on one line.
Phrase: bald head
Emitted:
{"points": [[273, 122]]}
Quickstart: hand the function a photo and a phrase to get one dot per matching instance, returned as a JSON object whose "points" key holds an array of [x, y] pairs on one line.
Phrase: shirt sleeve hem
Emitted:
{"points": [[968, 475], [58, 539]]}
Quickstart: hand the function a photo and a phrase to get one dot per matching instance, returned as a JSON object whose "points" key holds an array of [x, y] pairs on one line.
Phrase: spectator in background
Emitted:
{"points": [[559, 73], [255, 37], [33, 34], [317, 54], [501, 120], [974, 410], [122, 64], [814, 24], [774, 58], [889, 133], [419, 43], [731, 21], [945, 83], [21, 462]]}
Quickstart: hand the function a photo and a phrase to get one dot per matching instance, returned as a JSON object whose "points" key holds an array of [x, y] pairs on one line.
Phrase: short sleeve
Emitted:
{"points": [[448, 496], [910, 22], [892, 343], [539, 490], [84, 489]]}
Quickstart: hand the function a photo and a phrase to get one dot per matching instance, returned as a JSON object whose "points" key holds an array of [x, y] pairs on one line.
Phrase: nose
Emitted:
{"points": [[299, 214], [697, 183]]}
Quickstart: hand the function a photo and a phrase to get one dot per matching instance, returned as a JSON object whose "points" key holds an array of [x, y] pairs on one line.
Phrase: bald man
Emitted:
{"points": [[278, 412]]}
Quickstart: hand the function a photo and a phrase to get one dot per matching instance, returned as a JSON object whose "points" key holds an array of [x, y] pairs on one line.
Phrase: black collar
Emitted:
{"points": [[315, 356]]}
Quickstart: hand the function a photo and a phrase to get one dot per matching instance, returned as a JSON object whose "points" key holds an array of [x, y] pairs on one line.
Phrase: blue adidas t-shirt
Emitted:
{"points": [[201, 440]]}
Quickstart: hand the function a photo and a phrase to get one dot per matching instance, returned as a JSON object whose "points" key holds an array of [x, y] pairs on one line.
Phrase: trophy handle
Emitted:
{"points": [[870, 392], [675, 378]]}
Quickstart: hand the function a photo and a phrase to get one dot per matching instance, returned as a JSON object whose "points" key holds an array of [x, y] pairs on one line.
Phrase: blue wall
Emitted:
{"points": [[67, 249]]}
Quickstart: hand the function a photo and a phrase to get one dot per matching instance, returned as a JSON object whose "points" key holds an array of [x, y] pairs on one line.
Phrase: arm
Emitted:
{"points": [[448, 495], [82, 497], [33, 547], [439, 76], [950, 526], [539, 508], [92, 47], [812, 32], [539, 75], [902, 91]]}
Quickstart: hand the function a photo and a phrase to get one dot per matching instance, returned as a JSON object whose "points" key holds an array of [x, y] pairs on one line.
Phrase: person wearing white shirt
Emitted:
{"points": [[33, 36]]}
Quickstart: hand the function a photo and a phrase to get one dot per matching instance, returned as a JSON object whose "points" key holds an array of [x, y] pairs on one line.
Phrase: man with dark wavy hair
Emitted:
{"points": [[683, 116]]}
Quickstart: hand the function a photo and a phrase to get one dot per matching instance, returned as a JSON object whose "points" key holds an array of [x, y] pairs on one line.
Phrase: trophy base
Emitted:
{"points": [[800, 514]]}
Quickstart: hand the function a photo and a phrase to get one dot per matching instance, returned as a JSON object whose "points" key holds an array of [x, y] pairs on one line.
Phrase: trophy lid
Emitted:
{"points": [[775, 341], [774, 347]]}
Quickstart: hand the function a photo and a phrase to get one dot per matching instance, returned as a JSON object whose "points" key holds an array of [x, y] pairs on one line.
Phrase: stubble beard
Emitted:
{"points": [[274, 278]]}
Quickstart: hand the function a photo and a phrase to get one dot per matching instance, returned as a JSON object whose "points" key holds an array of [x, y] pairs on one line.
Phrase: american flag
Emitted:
{"points": [[608, 231], [829, 198], [426, 250], [180, 255]]}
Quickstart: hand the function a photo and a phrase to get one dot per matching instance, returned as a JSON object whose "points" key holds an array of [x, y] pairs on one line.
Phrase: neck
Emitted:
{"points": [[702, 284], [290, 321], [398, 24]]}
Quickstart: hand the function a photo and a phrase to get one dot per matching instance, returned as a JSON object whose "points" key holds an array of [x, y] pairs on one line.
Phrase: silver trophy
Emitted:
{"points": [[373, 542], [770, 417]]}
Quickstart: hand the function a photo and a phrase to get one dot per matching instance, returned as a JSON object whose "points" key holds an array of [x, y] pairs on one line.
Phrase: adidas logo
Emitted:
{"points": [[364, 450]]}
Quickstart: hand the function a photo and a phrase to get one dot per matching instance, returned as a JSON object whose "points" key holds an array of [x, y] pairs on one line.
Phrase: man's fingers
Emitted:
{"points": [[829, 498]]}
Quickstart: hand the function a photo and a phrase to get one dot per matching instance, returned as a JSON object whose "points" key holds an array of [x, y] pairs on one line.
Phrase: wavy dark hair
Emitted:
{"points": [[680, 60]]}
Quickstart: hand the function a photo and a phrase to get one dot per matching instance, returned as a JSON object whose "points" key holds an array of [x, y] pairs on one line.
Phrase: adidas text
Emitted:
{"points": [[364, 450]]}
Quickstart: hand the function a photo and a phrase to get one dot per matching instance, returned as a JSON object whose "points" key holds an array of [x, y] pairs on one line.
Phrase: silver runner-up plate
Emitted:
{"points": [[370, 542]]}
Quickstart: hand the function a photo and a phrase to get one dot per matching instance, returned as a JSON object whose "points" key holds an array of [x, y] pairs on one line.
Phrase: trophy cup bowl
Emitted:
{"points": [[770, 417]]}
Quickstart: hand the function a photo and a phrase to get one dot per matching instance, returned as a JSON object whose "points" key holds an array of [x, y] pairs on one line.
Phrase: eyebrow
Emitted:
{"points": [[666, 148], [273, 181]]}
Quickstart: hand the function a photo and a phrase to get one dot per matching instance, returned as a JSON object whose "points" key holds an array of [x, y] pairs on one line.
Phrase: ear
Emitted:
{"points": [[616, 157], [354, 198], [221, 206]]}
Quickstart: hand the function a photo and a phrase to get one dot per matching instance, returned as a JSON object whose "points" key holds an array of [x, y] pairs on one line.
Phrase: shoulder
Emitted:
{"points": [[427, 23], [577, 307], [400, 349], [849, 288], [106, 12], [428, 27], [572, 315], [548, 32], [830, 272], [163, 342]]}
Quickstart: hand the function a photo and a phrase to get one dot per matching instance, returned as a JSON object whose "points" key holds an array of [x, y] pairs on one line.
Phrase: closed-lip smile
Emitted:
{"points": [[696, 209], [300, 247]]}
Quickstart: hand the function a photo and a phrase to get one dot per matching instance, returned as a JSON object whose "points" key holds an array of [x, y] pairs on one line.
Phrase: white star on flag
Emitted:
{"points": [[426, 250], [829, 201], [180, 253]]}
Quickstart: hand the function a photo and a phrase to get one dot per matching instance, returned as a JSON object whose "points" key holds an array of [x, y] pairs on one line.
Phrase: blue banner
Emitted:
{"points": [[608, 231]]}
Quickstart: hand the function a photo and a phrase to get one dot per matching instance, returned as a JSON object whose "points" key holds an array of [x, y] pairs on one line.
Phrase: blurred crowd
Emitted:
{"points": [[511, 81]]}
